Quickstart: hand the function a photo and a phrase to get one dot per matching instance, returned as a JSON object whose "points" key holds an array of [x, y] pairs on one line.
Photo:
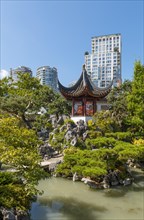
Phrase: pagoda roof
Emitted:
{"points": [[84, 87]]}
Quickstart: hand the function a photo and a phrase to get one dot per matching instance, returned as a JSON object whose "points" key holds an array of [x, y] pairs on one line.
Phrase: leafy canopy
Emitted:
{"points": [[19, 150]]}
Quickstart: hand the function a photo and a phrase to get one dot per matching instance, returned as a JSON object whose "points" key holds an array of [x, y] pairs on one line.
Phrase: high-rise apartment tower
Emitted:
{"points": [[48, 76], [20, 69], [104, 62]]}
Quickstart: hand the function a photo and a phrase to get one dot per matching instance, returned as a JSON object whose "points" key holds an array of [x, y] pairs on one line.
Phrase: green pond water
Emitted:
{"points": [[67, 200]]}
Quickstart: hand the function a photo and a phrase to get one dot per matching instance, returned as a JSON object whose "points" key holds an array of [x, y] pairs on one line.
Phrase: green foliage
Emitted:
{"points": [[100, 142], [90, 123], [7, 178], [80, 144], [15, 196], [94, 134], [108, 145], [78, 169], [69, 121], [25, 98], [64, 170], [19, 149], [135, 100], [41, 121], [123, 136], [94, 172], [57, 140], [96, 163], [13, 192], [69, 151], [111, 133], [117, 99], [127, 103], [20, 103], [87, 162], [103, 122], [129, 151], [59, 106], [139, 142], [14, 135]]}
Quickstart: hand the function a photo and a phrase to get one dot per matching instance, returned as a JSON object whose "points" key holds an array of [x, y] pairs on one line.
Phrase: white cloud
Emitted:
{"points": [[3, 73]]}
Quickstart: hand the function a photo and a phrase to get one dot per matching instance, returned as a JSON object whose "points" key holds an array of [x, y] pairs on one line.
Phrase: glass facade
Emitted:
{"points": [[104, 63], [48, 76]]}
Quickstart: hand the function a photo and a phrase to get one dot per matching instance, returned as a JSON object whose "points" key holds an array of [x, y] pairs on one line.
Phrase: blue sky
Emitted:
{"points": [[57, 33]]}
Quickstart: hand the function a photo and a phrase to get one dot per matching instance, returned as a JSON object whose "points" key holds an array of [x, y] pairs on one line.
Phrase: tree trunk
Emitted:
{"points": [[28, 124]]}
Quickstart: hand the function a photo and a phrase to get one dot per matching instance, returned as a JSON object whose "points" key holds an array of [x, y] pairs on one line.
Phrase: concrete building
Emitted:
{"points": [[103, 64], [20, 69], [48, 76]]}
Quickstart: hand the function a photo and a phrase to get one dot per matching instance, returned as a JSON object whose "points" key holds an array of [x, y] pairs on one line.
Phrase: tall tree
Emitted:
{"points": [[60, 106], [135, 100], [117, 100], [20, 103], [19, 150], [24, 98]]}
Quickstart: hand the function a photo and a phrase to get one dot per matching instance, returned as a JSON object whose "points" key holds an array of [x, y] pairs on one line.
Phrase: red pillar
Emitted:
{"points": [[95, 107], [72, 107], [84, 106]]}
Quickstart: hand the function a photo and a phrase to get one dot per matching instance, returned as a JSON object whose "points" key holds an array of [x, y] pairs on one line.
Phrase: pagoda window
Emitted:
{"points": [[78, 108], [89, 108]]}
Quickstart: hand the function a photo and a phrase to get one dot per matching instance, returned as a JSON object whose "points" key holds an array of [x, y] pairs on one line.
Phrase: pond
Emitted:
{"points": [[64, 199]]}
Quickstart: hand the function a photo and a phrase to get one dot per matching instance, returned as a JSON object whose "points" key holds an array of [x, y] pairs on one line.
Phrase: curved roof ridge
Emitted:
{"points": [[84, 86], [73, 87]]}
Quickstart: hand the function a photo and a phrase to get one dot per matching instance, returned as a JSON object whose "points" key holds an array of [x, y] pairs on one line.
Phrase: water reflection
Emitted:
{"points": [[71, 208], [67, 200], [120, 191], [115, 193]]}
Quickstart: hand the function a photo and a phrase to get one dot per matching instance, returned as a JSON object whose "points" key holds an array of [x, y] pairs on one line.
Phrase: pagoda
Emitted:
{"points": [[84, 95]]}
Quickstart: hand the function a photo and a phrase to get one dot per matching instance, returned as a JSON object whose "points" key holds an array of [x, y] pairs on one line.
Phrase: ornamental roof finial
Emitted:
{"points": [[83, 66]]}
